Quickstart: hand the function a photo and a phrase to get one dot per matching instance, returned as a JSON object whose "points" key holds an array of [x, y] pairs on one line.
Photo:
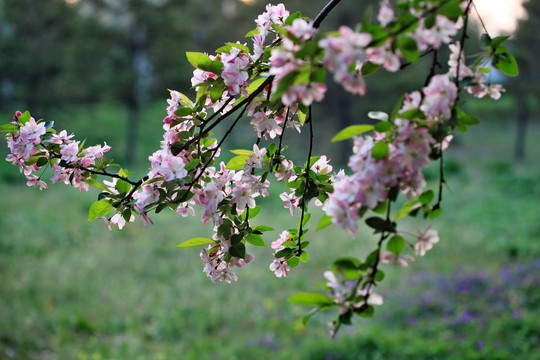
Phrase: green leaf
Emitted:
{"points": [[242, 152], [395, 245], [96, 184], [407, 46], [192, 164], [252, 212], [318, 76], [324, 222], [289, 243], [351, 131], [291, 18], [9, 128], [426, 197], [263, 228], [184, 111], [293, 262], [153, 180], [466, 119], [383, 126], [217, 91], [199, 60], [238, 250], [310, 299], [237, 162], [42, 161], [496, 41], [304, 257], [302, 117], [380, 150], [451, 10], [253, 33], [369, 68], [98, 209], [255, 240], [366, 312], [123, 186], [380, 224], [283, 253], [406, 209], [305, 220], [196, 242], [254, 85], [506, 64], [434, 213], [24, 118]]}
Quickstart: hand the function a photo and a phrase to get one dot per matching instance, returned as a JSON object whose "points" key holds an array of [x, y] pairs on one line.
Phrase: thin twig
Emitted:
{"points": [[306, 174], [324, 13]]}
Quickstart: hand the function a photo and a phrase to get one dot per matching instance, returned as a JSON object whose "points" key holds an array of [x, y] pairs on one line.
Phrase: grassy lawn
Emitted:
{"points": [[73, 290]]}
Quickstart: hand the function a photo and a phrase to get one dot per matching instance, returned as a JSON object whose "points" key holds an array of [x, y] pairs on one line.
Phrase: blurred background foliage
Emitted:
{"points": [[73, 290]]}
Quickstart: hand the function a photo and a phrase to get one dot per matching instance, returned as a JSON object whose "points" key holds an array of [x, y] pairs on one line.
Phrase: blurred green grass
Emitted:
{"points": [[74, 290]]}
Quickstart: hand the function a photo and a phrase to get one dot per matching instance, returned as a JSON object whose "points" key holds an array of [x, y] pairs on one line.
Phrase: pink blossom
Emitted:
{"points": [[265, 125], [304, 93], [321, 166], [70, 151], [173, 168], [442, 32], [33, 180], [256, 158], [386, 13], [31, 131], [59, 174], [289, 201], [242, 196], [301, 29], [425, 241], [276, 245], [456, 52], [61, 138], [390, 258], [285, 171], [440, 96], [280, 268]]}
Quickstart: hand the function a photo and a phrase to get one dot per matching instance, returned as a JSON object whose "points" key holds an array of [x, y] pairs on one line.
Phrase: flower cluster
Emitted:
{"points": [[34, 146]]}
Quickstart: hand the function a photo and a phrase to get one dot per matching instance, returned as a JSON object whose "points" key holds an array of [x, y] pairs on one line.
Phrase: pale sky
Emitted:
{"points": [[500, 16]]}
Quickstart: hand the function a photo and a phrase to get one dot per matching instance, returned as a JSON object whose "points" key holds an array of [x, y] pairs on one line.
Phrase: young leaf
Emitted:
{"points": [[383, 126], [237, 162], [96, 184], [380, 150], [199, 60], [426, 197], [395, 245], [407, 46], [255, 240], [506, 64], [310, 299], [263, 228], [351, 131], [196, 242], [98, 209], [123, 186], [293, 262], [242, 152], [324, 222], [305, 220]]}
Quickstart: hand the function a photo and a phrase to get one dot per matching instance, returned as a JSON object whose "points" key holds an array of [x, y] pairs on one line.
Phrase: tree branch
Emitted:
{"points": [[324, 13]]}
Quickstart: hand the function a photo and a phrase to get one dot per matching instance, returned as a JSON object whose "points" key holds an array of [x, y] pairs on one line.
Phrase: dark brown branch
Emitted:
{"points": [[324, 13]]}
